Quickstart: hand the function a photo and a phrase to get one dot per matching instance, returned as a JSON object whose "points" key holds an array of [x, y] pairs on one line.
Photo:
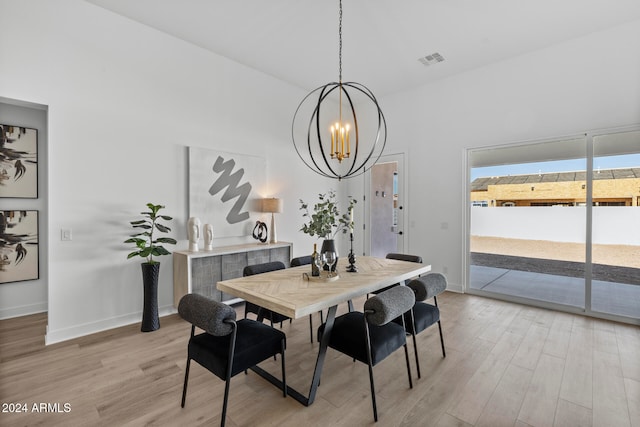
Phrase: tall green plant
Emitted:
{"points": [[147, 246], [326, 221]]}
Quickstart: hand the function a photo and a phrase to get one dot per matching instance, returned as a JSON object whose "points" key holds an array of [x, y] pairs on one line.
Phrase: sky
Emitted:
{"points": [[609, 162]]}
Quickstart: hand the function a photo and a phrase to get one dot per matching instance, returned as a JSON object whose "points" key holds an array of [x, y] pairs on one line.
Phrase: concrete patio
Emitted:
{"points": [[607, 297]]}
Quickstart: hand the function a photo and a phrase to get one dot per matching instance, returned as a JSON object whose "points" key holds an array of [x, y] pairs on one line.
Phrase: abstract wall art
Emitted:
{"points": [[19, 258], [225, 190], [18, 162]]}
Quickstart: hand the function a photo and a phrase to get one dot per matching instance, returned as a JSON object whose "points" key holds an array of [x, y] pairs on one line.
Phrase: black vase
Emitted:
{"points": [[150, 319], [329, 245]]}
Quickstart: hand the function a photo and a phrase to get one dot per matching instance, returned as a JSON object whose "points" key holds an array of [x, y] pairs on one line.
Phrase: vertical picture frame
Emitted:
{"points": [[18, 162], [19, 248]]}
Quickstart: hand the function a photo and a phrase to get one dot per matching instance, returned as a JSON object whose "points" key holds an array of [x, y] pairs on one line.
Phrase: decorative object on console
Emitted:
{"points": [[148, 247], [319, 140], [272, 205], [260, 232], [208, 237], [193, 231]]}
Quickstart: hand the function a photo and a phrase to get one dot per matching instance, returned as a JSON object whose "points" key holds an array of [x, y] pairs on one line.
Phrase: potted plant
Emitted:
{"points": [[148, 246], [325, 220]]}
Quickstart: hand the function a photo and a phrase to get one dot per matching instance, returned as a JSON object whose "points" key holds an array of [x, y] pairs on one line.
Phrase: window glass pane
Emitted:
{"points": [[537, 250], [616, 224]]}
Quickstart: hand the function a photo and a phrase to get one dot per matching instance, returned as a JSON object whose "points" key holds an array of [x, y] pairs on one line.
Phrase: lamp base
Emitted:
{"points": [[273, 238]]}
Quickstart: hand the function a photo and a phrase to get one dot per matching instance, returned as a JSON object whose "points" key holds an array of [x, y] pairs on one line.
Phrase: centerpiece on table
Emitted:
{"points": [[325, 220]]}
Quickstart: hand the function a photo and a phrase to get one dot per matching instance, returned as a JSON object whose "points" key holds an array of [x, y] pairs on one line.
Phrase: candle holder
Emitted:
{"points": [[352, 258]]}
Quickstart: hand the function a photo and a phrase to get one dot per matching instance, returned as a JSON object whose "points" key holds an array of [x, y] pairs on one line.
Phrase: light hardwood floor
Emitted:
{"points": [[506, 365]]}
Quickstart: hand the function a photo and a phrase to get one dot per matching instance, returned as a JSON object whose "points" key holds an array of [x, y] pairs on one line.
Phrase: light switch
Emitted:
{"points": [[65, 234]]}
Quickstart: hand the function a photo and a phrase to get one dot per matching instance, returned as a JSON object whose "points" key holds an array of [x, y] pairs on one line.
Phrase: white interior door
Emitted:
{"points": [[384, 207]]}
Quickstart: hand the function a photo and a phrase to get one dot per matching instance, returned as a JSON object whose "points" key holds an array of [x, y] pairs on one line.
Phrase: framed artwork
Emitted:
{"points": [[19, 259], [225, 190], [18, 162]]}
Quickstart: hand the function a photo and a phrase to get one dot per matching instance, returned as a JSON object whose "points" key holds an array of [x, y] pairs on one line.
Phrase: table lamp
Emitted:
{"points": [[272, 205]]}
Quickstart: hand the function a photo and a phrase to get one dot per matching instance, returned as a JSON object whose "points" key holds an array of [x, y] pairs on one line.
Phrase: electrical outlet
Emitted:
{"points": [[66, 235]]}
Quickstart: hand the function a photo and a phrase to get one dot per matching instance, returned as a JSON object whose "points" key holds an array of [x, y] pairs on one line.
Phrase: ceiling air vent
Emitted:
{"points": [[434, 58]]}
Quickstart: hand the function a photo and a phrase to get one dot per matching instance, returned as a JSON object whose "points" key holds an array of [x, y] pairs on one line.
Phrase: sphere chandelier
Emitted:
{"points": [[327, 132]]}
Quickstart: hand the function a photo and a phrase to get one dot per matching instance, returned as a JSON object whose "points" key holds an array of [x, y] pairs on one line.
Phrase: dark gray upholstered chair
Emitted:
{"points": [[424, 315], [227, 347], [297, 262], [250, 307], [400, 257], [301, 260], [405, 257], [372, 336]]}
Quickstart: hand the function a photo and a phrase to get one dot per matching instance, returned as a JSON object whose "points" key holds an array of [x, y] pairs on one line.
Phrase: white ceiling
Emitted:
{"points": [[297, 40]]}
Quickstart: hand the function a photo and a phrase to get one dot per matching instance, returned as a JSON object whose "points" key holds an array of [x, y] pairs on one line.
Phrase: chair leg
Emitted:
{"points": [[370, 364], [444, 354], [415, 351], [226, 399], [227, 381], [406, 356], [311, 328], [373, 393], [284, 376], [186, 380]]}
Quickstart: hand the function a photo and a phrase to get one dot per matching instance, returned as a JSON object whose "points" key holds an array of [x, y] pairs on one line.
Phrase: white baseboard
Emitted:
{"points": [[455, 288], [23, 310], [76, 331]]}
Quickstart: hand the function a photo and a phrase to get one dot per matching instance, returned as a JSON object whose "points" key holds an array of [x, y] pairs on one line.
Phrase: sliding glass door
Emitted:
{"points": [[615, 281], [527, 219], [556, 223]]}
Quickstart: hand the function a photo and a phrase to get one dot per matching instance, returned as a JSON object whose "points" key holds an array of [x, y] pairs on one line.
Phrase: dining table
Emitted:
{"points": [[295, 293]]}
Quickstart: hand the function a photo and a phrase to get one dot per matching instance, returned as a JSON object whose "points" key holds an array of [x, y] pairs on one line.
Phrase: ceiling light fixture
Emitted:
{"points": [[325, 130]]}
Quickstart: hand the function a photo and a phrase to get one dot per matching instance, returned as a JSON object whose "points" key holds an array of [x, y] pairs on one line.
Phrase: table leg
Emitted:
{"points": [[317, 373], [322, 352]]}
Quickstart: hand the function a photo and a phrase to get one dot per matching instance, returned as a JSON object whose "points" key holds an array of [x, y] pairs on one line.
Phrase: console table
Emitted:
{"points": [[199, 272]]}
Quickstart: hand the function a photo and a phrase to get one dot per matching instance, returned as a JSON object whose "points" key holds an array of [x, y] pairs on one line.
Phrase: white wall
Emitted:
{"points": [[560, 90], [124, 103], [612, 225]]}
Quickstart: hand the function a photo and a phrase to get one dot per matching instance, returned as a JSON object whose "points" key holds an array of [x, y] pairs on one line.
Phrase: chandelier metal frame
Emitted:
{"points": [[323, 161]]}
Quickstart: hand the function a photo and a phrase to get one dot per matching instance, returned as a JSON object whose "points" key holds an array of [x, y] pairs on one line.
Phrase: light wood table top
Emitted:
{"points": [[288, 292]]}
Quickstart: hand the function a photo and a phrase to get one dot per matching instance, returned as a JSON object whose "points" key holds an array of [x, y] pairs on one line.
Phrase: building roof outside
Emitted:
{"points": [[482, 184]]}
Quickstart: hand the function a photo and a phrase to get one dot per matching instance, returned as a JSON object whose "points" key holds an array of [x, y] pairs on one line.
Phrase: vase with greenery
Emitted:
{"points": [[324, 220], [148, 246]]}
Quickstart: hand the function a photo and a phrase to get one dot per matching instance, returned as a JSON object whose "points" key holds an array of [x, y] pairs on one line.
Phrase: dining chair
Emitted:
{"points": [[297, 262], [227, 347], [372, 336], [400, 257], [250, 307], [424, 315], [301, 260]]}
